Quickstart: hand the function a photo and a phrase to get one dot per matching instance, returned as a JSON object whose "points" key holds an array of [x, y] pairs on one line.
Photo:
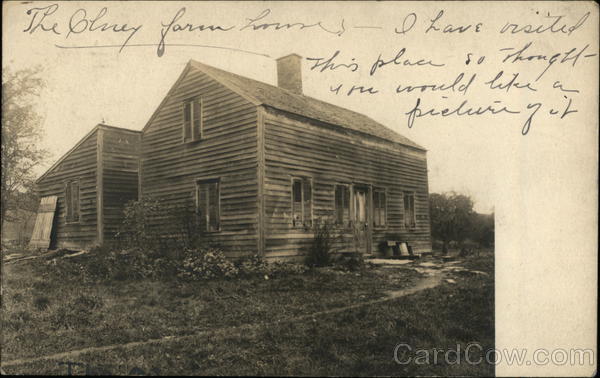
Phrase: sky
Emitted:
{"points": [[87, 86]]}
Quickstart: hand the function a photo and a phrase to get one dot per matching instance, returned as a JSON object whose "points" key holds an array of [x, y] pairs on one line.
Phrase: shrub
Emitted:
{"points": [[98, 263], [437, 245], [158, 225], [41, 303], [56, 270], [352, 262], [254, 265], [319, 253], [139, 263], [136, 228], [136, 263], [280, 269], [204, 264], [104, 264], [101, 264]]}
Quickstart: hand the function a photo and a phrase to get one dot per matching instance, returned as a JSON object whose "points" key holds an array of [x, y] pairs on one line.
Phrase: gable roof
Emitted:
{"points": [[86, 137], [287, 101]]}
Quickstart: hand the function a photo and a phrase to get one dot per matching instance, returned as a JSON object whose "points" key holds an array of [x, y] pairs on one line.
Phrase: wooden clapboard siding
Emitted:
{"points": [[228, 151], [296, 146], [254, 150], [79, 163], [120, 154]]}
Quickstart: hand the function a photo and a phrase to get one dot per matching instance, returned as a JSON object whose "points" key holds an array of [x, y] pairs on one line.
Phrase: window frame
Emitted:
{"points": [[413, 223], [303, 223], [69, 201], [195, 136], [347, 188], [205, 181], [376, 191]]}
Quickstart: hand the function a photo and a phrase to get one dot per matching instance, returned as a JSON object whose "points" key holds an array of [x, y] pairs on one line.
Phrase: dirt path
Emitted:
{"points": [[426, 282]]}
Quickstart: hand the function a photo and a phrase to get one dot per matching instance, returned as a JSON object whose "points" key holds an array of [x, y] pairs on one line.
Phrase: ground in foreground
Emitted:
{"points": [[42, 316]]}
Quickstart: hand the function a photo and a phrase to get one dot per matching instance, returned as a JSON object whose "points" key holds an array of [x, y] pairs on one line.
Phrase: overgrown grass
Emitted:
{"points": [[43, 317], [484, 262]]}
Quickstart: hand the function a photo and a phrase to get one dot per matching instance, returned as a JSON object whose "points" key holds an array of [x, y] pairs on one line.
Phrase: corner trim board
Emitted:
{"points": [[100, 186], [260, 176]]}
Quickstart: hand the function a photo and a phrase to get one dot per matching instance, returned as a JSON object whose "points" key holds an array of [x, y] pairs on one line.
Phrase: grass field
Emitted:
{"points": [[43, 314]]}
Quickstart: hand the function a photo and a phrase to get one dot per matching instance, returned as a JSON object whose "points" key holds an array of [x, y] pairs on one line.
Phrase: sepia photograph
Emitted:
{"points": [[299, 188]]}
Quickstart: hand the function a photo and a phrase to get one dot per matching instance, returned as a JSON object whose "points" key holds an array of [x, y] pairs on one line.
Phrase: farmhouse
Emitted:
{"points": [[261, 164]]}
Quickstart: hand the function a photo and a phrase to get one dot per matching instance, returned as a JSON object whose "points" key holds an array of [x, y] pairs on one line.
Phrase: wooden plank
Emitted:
{"points": [[42, 230]]}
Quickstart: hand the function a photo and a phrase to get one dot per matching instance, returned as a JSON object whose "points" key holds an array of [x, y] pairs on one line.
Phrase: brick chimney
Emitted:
{"points": [[289, 73]]}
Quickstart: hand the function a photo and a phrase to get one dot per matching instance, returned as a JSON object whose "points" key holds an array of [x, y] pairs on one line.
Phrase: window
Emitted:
{"points": [[342, 204], [379, 208], [208, 205], [192, 120], [301, 202], [409, 210], [72, 205]]}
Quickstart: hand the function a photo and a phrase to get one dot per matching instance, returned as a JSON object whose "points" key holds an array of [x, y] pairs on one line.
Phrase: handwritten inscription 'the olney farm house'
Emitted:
{"points": [[510, 77]]}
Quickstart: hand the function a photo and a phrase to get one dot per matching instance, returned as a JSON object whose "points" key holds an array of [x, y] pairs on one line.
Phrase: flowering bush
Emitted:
{"points": [[279, 269], [102, 264], [351, 263], [253, 266], [256, 265], [136, 263], [105, 264], [204, 264]]}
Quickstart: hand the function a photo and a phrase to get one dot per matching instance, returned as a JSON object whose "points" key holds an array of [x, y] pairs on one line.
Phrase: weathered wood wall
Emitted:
{"points": [[228, 150], [81, 163], [297, 147], [120, 153]]}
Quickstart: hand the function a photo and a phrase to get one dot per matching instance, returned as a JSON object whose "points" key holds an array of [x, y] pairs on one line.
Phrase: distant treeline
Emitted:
{"points": [[453, 221]]}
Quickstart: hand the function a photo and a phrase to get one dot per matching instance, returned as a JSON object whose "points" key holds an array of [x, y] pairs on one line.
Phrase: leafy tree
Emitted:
{"points": [[483, 229], [21, 132], [21, 217], [451, 217]]}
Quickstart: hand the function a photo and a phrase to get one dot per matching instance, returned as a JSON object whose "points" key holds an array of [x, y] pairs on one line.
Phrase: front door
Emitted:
{"points": [[361, 219]]}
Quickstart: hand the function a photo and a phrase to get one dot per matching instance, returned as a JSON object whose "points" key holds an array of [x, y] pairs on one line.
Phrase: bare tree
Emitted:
{"points": [[21, 132]]}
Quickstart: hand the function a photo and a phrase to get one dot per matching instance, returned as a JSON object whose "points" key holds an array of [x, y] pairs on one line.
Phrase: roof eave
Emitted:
{"points": [[413, 146], [256, 102], [86, 137]]}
